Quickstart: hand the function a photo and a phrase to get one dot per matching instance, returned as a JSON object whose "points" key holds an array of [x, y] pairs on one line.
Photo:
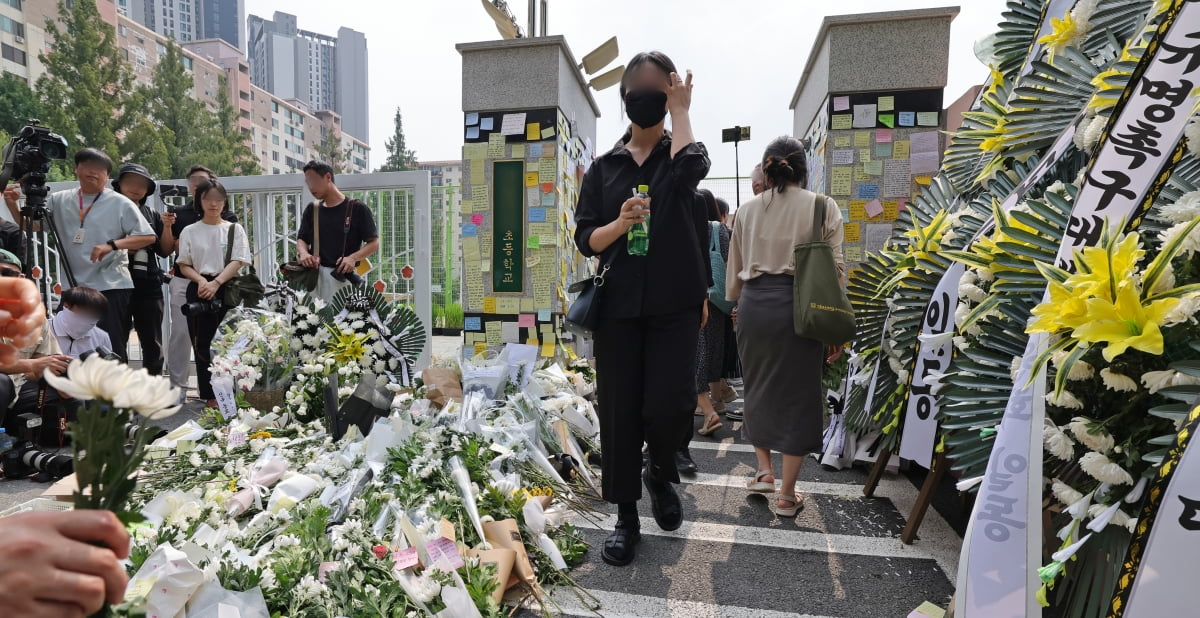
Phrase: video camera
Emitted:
{"points": [[103, 353], [202, 307], [27, 158], [26, 458]]}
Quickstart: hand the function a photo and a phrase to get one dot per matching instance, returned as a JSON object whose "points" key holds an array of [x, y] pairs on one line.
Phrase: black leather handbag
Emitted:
{"points": [[584, 313]]}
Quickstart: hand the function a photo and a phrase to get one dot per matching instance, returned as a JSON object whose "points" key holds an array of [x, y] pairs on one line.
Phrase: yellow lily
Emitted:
{"points": [[1125, 323], [1065, 309], [1063, 32], [1103, 269], [347, 347]]}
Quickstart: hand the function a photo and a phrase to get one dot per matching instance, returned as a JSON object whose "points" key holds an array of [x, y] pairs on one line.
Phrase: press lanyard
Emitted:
{"points": [[84, 213]]}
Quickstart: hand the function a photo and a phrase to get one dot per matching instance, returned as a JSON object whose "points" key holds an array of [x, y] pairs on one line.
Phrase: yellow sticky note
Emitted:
{"points": [[858, 209], [841, 121], [548, 133], [477, 168], [489, 304], [518, 151], [532, 342], [886, 104], [864, 155], [853, 232], [548, 350], [508, 305], [891, 210], [528, 306], [923, 180], [533, 132], [480, 347], [900, 150], [531, 179], [873, 168], [854, 254], [496, 146], [862, 139], [839, 181], [841, 141], [860, 173]]}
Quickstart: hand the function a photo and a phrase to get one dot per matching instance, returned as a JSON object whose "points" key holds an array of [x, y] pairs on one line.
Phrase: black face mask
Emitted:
{"points": [[646, 108]]}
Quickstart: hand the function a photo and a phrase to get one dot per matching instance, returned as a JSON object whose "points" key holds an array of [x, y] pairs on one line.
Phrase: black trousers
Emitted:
{"points": [[146, 316], [114, 321], [645, 383], [202, 327]]}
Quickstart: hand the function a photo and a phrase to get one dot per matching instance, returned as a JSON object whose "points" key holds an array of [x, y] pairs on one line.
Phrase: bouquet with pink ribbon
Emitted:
{"points": [[267, 470]]}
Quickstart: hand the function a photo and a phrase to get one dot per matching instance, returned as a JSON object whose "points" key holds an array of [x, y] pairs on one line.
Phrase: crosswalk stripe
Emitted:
{"points": [[623, 605], [840, 490], [726, 445], [770, 537]]}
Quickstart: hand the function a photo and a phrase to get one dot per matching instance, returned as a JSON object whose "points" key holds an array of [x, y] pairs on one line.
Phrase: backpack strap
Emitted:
{"points": [[714, 236]]}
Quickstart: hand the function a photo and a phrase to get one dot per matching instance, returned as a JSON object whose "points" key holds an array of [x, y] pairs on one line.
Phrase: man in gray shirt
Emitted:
{"points": [[97, 228]]}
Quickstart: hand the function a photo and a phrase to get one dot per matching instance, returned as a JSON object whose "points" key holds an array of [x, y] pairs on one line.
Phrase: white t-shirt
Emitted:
{"points": [[202, 246]]}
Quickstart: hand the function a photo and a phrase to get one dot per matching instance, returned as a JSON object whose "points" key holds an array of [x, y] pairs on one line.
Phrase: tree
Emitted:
{"points": [[144, 143], [330, 149], [86, 82], [18, 103], [222, 143], [400, 158], [181, 120]]}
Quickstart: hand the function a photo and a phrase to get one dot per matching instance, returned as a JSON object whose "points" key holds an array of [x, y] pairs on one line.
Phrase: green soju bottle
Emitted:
{"points": [[639, 234]]}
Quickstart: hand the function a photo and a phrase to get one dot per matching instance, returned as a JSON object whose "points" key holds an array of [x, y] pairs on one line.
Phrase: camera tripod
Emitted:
{"points": [[33, 214]]}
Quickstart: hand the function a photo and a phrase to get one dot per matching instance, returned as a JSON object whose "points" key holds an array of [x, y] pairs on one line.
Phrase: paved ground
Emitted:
{"points": [[841, 558]]}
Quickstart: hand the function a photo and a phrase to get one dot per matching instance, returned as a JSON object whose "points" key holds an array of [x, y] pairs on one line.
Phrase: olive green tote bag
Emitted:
{"points": [[821, 308]]}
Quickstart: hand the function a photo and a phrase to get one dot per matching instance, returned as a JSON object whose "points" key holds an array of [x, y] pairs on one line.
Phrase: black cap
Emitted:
{"points": [[134, 168]]}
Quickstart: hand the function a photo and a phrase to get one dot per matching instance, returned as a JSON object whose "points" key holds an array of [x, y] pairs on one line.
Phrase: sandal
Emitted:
{"points": [[797, 505], [711, 425], [760, 485]]}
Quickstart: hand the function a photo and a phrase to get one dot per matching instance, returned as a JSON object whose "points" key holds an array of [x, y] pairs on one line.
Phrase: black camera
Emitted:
{"points": [[102, 352], [351, 276], [27, 158], [202, 307], [173, 191], [26, 459], [132, 430]]}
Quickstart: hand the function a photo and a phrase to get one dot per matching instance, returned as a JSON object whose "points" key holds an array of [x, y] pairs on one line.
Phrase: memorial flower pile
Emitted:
{"points": [[434, 510], [254, 350]]}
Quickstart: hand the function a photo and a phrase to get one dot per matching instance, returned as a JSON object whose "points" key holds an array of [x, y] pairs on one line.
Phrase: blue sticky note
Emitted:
{"points": [[908, 119], [486, 123], [472, 119], [473, 324], [548, 200], [469, 230], [535, 151], [543, 315], [866, 192], [537, 215], [472, 132]]}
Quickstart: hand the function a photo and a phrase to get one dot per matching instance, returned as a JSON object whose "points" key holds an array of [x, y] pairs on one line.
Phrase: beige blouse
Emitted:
{"points": [[768, 228]]}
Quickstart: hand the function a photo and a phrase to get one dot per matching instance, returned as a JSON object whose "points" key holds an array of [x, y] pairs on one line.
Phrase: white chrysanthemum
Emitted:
{"points": [[1058, 443], [986, 275], [1118, 382], [1064, 493], [1078, 137], [1165, 282], [961, 344], [1155, 381], [1064, 400], [1014, 367], [1104, 470], [1192, 131], [1191, 243], [1100, 442], [1185, 209], [1183, 311], [1081, 370], [1095, 128]]}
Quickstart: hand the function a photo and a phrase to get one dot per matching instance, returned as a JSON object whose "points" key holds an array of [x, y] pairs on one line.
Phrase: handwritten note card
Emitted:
{"points": [[907, 119], [496, 145], [841, 121], [843, 157], [927, 119], [513, 124], [841, 104], [839, 180], [897, 178], [887, 104], [864, 116], [900, 150], [862, 139]]}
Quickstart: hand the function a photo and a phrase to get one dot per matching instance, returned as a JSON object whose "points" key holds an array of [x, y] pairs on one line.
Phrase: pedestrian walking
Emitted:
{"points": [[654, 300], [784, 402]]}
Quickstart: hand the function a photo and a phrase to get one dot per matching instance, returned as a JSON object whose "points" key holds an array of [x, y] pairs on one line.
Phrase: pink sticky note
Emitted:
{"points": [[526, 320], [841, 104], [874, 208], [444, 554], [405, 558], [883, 136], [477, 219]]}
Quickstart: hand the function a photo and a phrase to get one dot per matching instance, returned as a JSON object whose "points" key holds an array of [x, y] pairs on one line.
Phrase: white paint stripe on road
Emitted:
{"points": [[726, 445], [771, 537], [937, 538], [622, 605], [840, 490]]}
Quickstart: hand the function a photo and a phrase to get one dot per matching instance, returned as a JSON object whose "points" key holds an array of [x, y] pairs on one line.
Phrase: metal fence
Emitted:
{"points": [[727, 188], [269, 208]]}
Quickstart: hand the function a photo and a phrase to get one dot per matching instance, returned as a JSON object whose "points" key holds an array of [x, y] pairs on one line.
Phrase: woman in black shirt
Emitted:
{"points": [[652, 305]]}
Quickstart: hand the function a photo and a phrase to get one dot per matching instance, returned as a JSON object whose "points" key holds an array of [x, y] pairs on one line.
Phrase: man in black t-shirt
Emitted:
{"points": [[346, 237], [179, 347]]}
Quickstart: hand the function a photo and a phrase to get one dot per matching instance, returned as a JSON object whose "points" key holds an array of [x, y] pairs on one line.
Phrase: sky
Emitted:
{"points": [[746, 57]]}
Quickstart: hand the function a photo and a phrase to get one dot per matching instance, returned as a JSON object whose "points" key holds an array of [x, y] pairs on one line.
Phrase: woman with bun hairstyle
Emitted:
{"points": [[784, 404], [653, 302]]}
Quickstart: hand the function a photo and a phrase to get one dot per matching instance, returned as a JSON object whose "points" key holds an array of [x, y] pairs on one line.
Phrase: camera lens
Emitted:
{"points": [[57, 466]]}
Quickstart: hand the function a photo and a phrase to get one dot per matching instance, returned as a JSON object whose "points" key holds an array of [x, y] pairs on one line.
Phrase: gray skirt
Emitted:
{"points": [[784, 405]]}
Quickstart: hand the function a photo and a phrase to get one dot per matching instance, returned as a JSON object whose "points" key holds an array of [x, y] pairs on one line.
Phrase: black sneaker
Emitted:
{"points": [[668, 511], [735, 415], [684, 463], [621, 546]]}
